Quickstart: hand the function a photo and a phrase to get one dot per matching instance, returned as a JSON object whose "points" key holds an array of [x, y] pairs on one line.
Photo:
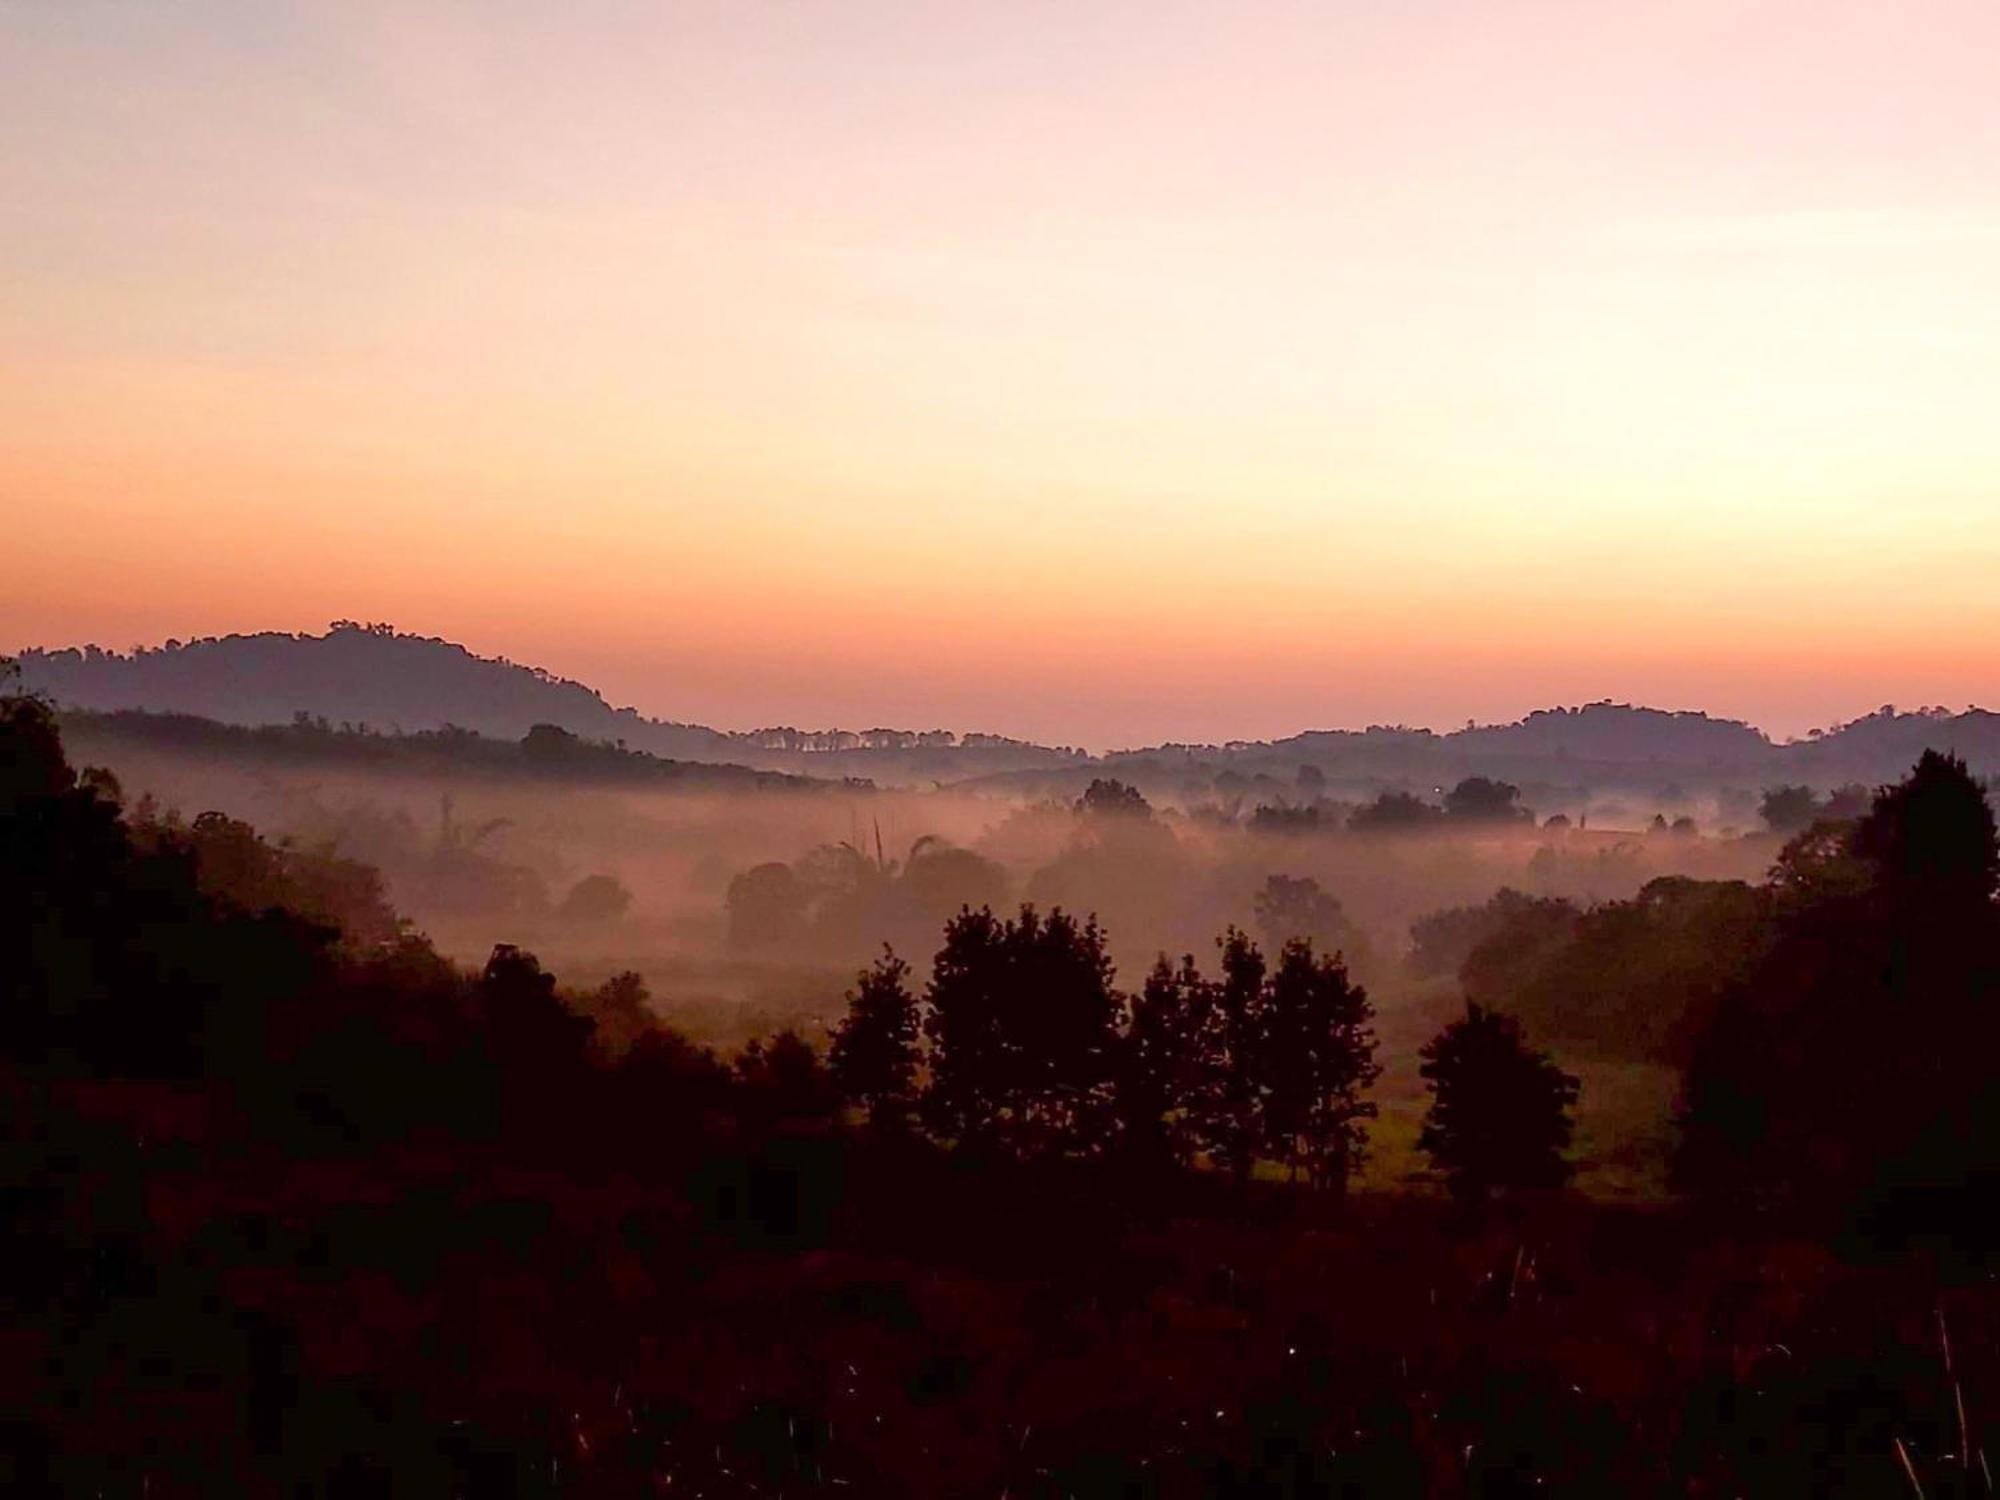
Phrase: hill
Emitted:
{"points": [[354, 675], [372, 675]]}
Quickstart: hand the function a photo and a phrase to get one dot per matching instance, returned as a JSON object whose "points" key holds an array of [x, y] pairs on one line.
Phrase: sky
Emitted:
{"points": [[1107, 373]]}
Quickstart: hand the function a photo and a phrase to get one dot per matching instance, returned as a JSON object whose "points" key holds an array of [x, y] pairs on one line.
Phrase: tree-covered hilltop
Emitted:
{"points": [[374, 676], [353, 674]]}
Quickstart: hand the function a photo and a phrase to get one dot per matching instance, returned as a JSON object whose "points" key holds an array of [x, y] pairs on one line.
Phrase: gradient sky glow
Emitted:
{"points": [[1105, 372]]}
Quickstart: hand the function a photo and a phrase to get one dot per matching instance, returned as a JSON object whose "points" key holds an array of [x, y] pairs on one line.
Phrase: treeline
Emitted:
{"points": [[1476, 803], [1021, 1045], [546, 751], [1483, 802]]}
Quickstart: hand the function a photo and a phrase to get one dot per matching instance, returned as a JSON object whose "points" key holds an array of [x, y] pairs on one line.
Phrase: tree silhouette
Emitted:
{"points": [[1788, 809], [766, 905], [115, 955], [873, 1057], [783, 1086], [1850, 1061], [1023, 1026], [1317, 1057], [539, 1044], [1228, 1112], [1166, 1062], [549, 746], [620, 1010], [596, 899], [1932, 836], [1294, 906], [938, 879], [1111, 798], [1479, 799], [1500, 1111]]}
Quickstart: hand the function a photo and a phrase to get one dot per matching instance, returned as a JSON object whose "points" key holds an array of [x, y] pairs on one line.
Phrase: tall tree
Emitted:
{"points": [[1165, 1061], [874, 1051], [1851, 1063], [1931, 836], [1500, 1111], [1229, 1106], [1317, 1059], [1024, 1029]]}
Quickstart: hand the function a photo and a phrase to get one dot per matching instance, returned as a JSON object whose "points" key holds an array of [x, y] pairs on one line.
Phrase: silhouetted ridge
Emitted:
{"points": [[1620, 732], [1859, 748], [372, 675], [354, 674]]}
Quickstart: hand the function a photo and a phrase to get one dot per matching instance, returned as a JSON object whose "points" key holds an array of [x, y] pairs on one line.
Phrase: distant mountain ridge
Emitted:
{"points": [[354, 674], [372, 674]]}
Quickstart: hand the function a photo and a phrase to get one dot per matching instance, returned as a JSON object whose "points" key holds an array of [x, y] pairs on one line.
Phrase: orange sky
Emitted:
{"points": [[1105, 372]]}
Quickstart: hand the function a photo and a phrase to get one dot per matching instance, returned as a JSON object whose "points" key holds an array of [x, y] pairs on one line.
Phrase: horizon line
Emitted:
{"points": [[386, 630]]}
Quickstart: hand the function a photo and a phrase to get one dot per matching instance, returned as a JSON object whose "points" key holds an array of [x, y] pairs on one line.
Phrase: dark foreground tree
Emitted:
{"points": [[1318, 1058], [1165, 1062], [1932, 841], [1227, 1107], [874, 1051], [1023, 1026], [1500, 1110], [782, 1084], [1851, 1064]]}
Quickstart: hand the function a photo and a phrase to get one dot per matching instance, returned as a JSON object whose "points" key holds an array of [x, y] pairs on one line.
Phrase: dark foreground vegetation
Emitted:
{"points": [[295, 1206]]}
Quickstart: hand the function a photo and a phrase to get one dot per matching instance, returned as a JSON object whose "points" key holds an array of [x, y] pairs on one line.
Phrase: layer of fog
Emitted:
{"points": [[748, 910]]}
